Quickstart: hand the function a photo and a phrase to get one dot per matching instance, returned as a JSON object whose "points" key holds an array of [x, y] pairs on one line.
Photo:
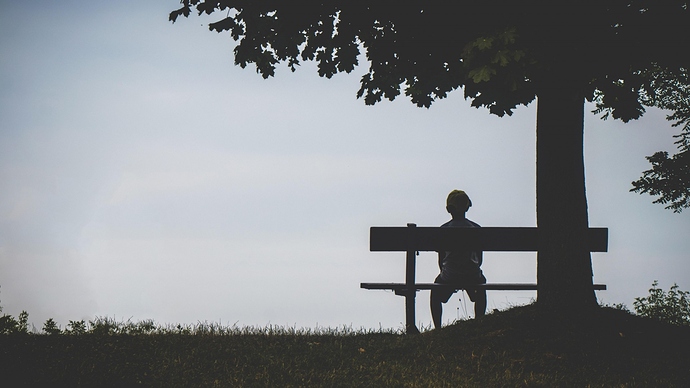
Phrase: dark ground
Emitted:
{"points": [[523, 346]]}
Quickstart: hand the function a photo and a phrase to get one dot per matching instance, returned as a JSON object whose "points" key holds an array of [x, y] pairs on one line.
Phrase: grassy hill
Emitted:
{"points": [[523, 346]]}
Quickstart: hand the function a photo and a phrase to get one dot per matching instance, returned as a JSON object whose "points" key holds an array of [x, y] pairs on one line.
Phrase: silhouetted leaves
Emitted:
{"points": [[620, 51], [12, 325], [50, 327], [497, 50], [671, 307], [669, 178]]}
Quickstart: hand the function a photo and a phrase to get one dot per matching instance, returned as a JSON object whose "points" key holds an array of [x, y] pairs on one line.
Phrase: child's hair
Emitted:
{"points": [[458, 201]]}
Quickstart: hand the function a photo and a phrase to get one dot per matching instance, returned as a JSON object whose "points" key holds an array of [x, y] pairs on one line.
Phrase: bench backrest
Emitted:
{"points": [[483, 239]]}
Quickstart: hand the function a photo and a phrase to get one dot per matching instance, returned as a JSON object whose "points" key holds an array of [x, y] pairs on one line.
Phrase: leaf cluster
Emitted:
{"points": [[671, 307], [669, 177]]}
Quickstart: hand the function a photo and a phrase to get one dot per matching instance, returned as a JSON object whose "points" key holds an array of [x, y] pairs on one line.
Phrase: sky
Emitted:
{"points": [[144, 176]]}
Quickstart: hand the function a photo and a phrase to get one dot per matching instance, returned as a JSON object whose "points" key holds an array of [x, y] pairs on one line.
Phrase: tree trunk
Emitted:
{"points": [[564, 266]]}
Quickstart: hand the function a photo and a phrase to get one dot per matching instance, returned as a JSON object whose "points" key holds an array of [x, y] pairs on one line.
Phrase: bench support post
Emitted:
{"points": [[411, 292]]}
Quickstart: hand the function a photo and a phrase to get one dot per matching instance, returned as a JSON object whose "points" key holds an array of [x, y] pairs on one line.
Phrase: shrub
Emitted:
{"points": [[76, 327], [12, 325], [672, 307], [51, 327], [8, 325]]}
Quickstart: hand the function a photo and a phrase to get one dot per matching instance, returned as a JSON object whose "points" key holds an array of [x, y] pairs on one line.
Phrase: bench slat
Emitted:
{"points": [[513, 239], [488, 286]]}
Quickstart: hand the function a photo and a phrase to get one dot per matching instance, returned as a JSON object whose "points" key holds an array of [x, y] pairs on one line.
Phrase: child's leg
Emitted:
{"points": [[479, 303], [436, 308], [479, 299]]}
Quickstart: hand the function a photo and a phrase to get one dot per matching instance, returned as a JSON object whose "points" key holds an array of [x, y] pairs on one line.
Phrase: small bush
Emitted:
{"points": [[76, 327], [672, 307], [51, 327], [12, 325], [23, 321], [8, 325]]}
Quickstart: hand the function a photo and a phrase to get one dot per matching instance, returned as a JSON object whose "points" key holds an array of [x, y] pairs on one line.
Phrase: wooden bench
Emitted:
{"points": [[412, 239]]}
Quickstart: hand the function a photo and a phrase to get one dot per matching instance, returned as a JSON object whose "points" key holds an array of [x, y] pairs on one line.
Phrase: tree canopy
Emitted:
{"points": [[624, 55]]}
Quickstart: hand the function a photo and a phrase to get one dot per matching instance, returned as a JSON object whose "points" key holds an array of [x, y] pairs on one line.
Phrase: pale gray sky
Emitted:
{"points": [[142, 175]]}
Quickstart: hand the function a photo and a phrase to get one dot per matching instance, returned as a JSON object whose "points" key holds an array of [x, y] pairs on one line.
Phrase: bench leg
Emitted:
{"points": [[411, 293], [410, 326]]}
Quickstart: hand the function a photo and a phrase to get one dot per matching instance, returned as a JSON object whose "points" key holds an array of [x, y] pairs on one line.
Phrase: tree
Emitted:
{"points": [[502, 54]]}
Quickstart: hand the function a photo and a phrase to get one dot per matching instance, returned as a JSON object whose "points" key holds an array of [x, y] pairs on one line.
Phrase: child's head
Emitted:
{"points": [[458, 202]]}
